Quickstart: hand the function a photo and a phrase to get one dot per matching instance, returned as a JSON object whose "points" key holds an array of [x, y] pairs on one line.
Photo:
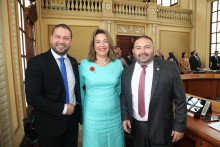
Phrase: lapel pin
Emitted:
{"points": [[158, 69]]}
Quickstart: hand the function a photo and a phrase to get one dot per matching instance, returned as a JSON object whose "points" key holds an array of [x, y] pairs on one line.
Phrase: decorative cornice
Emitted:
{"points": [[130, 29]]}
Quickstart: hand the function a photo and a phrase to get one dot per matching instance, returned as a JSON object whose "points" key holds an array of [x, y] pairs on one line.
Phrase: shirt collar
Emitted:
{"points": [[56, 56], [137, 65]]}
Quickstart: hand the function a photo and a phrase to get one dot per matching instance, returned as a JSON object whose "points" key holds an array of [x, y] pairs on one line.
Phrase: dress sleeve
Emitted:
{"points": [[82, 80]]}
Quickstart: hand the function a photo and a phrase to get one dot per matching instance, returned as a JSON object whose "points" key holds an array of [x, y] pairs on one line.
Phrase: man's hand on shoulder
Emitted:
{"points": [[70, 109], [176, 136]]}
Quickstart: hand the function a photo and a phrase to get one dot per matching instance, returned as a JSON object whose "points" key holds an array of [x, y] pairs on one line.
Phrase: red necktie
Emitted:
{"points": [[141, 89]]}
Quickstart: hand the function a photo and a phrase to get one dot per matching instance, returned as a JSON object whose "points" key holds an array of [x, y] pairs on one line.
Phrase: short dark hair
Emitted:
{"points": [[171, 55], [115, 47], [216, 51], [183, 53], [191, 53], [62, 26], [143, 36], [158, 50], [129, 53]]}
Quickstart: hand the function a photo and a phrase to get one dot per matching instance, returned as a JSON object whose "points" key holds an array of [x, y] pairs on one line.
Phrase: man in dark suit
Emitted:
{"points": [[194, 61], [159, 54], [197, 57], [215, 61], [149, 88], [52, 88], [128, 58]]}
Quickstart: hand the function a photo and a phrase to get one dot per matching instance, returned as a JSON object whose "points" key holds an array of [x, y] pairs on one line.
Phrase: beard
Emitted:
{"points": [[144, 61], [61, 53]]}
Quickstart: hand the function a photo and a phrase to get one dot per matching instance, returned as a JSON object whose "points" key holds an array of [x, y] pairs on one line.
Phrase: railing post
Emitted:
{"points": [[122, 7], [152, 11], [107, 8]]}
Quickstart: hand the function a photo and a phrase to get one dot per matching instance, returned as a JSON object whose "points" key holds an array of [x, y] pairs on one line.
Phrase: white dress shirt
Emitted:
{"points": [[70, 79], [134, 88]]}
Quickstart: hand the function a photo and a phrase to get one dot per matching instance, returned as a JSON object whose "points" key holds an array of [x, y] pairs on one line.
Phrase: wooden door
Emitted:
{"points": [[125, 43]]}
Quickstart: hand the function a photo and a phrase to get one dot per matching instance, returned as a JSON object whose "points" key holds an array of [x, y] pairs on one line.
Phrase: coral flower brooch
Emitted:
{"points": [[92, 69]]}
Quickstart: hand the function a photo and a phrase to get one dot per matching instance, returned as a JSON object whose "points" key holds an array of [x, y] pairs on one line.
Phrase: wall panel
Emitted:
{"points": [[177, 42]]}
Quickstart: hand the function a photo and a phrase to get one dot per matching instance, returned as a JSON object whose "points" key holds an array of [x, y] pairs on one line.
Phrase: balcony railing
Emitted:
{"points": [[130, 8], [118, 8], [73, 5], [174, 13]]}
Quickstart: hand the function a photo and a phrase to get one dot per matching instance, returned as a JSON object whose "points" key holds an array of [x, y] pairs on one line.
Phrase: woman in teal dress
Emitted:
{"points": [[100, 73]]}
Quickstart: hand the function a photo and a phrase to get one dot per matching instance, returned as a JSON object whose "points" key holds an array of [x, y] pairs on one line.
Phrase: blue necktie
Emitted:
{"points": [[64, 75]]}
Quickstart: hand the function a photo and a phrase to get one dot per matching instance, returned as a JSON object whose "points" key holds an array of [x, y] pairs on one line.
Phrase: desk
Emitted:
{"points": [[198, 133], [203, 85]]}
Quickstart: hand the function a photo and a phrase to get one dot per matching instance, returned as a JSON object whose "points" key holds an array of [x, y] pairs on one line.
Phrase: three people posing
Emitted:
{"points": [[53, 88]]}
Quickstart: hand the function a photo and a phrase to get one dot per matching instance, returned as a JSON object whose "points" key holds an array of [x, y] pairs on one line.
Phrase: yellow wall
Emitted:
{"points": [[82, 32], [176, 42], [202, 30], [81, 40], [175, 39]]}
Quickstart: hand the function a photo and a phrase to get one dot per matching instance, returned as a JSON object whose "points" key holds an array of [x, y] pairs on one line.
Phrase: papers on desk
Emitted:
{"points": [[190, 114], [215, 126]]}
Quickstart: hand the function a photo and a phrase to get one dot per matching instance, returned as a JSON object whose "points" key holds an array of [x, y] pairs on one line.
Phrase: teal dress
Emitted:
{"points": [[102, 126]]}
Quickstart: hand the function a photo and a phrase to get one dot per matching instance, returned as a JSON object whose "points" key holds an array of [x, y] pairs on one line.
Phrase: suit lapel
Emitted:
{"points": [[54, 67], [156, 76], [74, 66], [129, 78], [129, 75]]}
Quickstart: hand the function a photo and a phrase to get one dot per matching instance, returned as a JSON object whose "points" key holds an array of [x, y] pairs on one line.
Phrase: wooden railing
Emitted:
{"points": [[130, 8], [174, 13]]}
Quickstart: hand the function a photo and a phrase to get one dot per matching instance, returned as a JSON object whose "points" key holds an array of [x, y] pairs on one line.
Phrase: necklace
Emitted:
{"points": [[101, 62]]}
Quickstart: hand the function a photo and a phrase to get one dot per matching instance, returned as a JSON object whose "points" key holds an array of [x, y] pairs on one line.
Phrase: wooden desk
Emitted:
{"points": [[203, 85], [198, 133]]}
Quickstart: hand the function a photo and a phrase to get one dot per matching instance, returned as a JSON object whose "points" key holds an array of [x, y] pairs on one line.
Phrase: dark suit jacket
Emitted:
{"points": [[194, 63], [214, 63], [128, 61], [45, 91], [159, 57], [167, 85]]}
